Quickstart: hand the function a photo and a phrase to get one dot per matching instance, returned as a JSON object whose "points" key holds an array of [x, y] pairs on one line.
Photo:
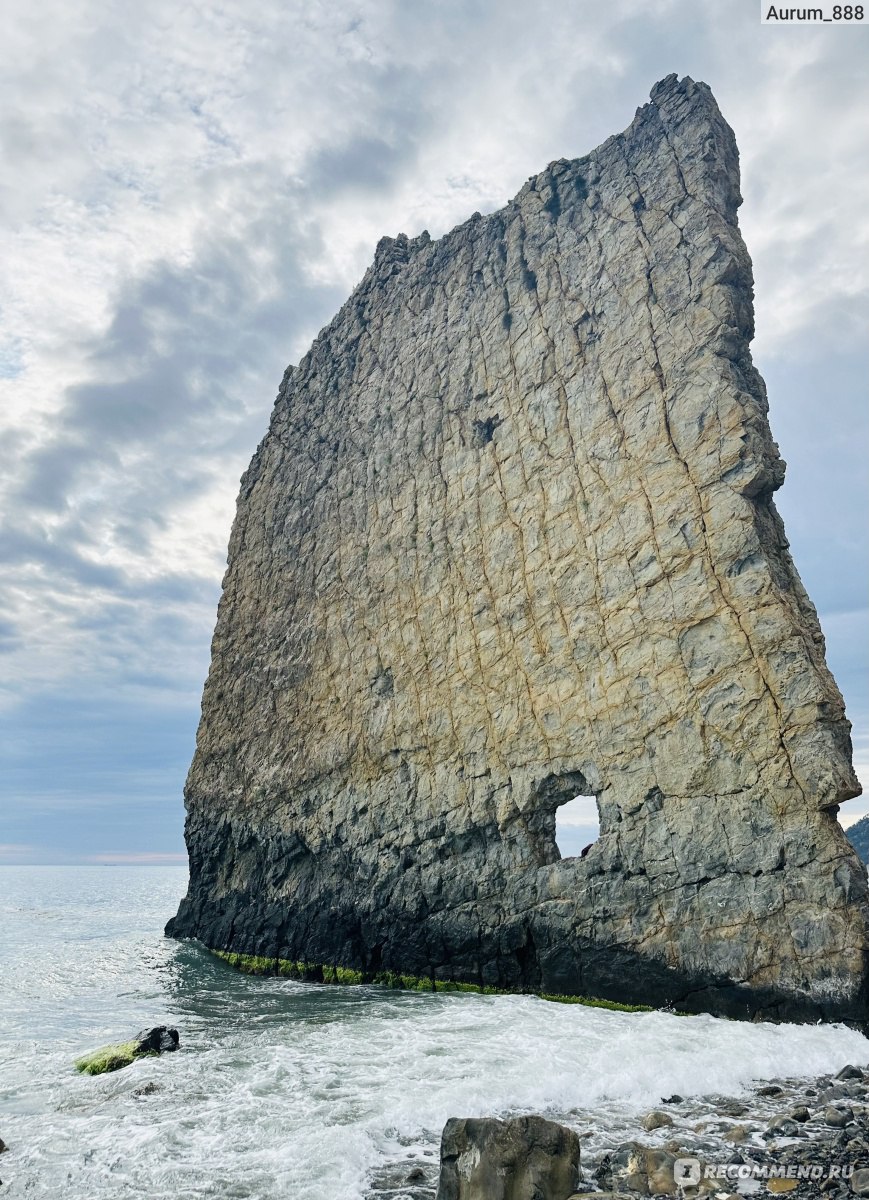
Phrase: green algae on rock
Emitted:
{"points": [[110, 1058], [147, 1044], [251, 964]]}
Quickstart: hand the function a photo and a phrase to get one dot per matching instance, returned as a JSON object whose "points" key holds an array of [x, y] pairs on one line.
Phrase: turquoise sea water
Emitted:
{"points": [[295, 1090]]}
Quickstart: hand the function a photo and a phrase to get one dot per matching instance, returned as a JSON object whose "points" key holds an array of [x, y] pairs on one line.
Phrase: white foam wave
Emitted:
{"points": [[283, 1089]]}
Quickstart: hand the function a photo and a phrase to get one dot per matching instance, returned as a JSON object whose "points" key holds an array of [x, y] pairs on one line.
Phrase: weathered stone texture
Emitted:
{"points": [[510, 538], [526, 1158]]}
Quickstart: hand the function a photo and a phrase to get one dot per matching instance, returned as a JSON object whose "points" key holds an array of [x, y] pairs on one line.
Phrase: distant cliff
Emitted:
{"points": [[510, 538], [858, 836]]}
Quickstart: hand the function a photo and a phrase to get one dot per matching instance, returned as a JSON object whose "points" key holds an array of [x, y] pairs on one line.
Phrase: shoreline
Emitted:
{"points": [[808, 1136]]}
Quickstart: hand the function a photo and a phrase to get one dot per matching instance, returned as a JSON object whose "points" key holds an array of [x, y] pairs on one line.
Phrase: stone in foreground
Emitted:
{"points": [[510, 538], [647, 1170], [144, 1045], [526, 1158]]}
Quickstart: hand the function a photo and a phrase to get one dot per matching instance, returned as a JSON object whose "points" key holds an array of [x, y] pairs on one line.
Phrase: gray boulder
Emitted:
{"points": [[526, 1158], [850, 1072], [782, 1126], [157, 1040]]}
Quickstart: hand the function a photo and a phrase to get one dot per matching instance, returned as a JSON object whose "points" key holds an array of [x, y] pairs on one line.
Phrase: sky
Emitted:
{"points": [[190, 191]]}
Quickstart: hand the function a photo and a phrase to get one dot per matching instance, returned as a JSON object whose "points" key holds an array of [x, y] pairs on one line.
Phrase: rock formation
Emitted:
{"points": [[526, 1158], [510, 538]]}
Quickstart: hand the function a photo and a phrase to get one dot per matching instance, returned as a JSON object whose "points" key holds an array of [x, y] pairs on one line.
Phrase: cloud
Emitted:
{"points": [[16, 851], [190, 194], [29, 854], [123, 858]]}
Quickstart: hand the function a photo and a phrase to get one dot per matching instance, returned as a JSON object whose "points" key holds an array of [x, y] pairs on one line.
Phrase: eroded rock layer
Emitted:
{"points": [[510, 539]]}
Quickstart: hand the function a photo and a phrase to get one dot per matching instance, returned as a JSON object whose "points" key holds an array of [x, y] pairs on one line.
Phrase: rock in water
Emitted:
{"points": [[147, 1043], [509, 539], [527, 1158], [157, 1040]]}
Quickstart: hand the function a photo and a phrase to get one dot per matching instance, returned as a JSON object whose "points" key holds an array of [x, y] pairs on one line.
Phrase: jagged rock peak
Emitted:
{"points": [[510, 538]]}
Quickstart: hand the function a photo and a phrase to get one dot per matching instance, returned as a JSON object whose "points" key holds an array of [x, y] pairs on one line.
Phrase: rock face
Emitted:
{"points": [[510, 538], [527, 1158]]}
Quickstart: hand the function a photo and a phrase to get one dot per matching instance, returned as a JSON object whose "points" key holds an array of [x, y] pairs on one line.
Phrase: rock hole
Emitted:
{"points": [[577, 826], [563, 819]]}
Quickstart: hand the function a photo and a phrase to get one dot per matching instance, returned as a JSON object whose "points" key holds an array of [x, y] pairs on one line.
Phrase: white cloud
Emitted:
{"points": [[582, 811], [124, 858]]}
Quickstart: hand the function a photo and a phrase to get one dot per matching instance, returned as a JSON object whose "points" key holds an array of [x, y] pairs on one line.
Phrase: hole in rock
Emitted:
{"points": [[577, 825], [562, 818]]}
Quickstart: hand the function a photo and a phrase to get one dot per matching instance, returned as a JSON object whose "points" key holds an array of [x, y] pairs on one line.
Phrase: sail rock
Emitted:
{"points": [[510, 538]]}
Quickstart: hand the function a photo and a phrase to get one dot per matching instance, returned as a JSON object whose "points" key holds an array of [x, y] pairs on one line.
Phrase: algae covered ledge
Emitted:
{"points": [[303, 972]]}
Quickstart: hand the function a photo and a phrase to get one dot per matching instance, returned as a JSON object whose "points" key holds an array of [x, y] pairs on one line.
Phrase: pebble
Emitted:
{"points": [[782, 1126], [147, 1089], [656, 1120], [732, 1108], [860, 1182]]}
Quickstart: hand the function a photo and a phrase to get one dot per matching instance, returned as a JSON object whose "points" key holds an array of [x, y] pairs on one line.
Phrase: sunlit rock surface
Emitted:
{"points": [[510, 538]]}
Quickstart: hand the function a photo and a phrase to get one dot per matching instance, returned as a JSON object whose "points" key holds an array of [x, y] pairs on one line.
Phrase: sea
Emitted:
{"points": [[305, 1091]]}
